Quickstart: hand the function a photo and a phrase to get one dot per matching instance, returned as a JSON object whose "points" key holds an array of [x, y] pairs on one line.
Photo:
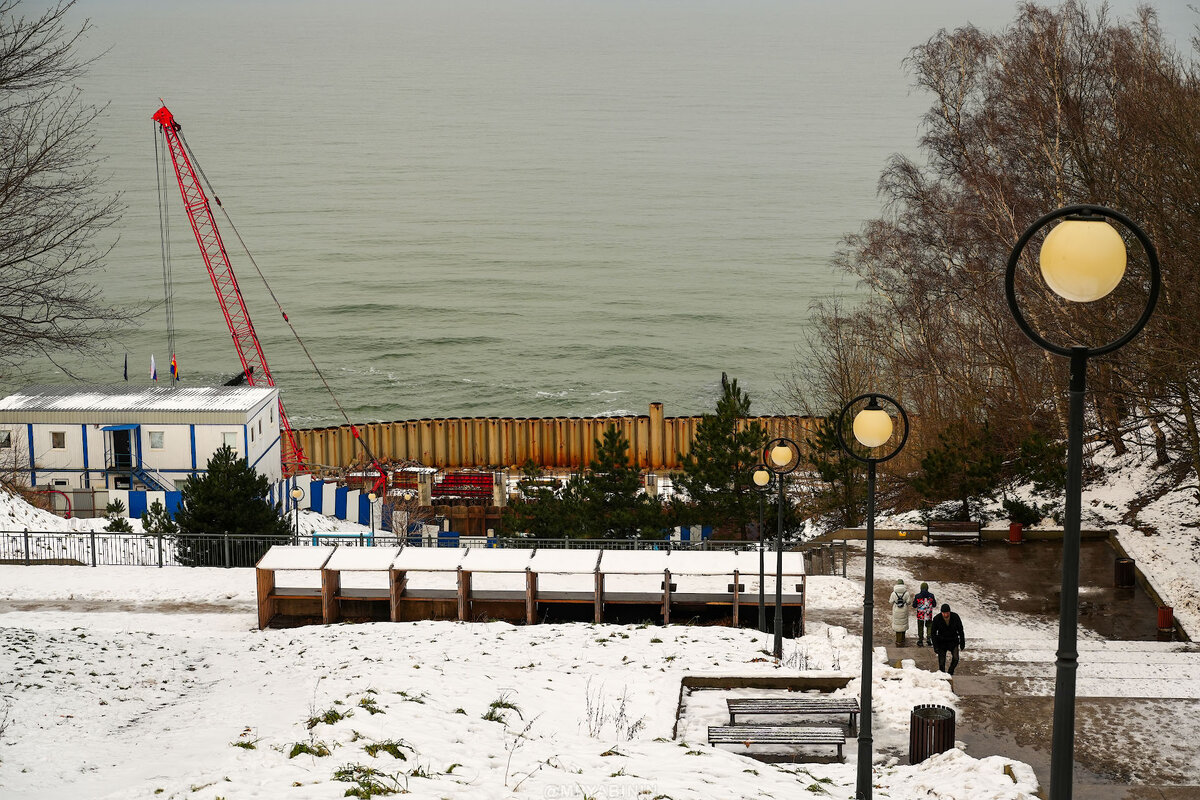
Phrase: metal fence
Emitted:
{"points": [[105, 548]]}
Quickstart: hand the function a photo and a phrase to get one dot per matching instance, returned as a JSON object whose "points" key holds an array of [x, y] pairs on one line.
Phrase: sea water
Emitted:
{"points": [[519, 208]]}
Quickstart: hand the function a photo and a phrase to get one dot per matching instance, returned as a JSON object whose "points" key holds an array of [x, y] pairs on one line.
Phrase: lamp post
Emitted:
{"points": [[297, 495], [760, 480], [1082, 260], [371, 498], [873, 429], [781, 456]]}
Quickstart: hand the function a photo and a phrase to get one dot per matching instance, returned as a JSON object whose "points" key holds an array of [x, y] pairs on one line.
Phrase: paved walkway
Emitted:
{"points": [[1138, 699]]}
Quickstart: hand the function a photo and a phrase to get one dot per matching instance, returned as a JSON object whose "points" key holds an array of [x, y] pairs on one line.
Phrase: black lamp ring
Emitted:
{"points": [[1010, 291], [841, 424]]}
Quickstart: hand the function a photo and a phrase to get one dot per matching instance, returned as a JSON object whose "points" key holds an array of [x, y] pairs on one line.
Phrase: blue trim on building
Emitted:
{"points": [[316, 496], [173, 501], [339, 502], [364, 510], [192, 433], [137, 504], [32, 467], [87, 477], [246, 442]]}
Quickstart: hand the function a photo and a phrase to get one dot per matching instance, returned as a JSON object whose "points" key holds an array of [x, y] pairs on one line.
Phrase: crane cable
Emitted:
{"points": [[164, 228], [282, 313]]}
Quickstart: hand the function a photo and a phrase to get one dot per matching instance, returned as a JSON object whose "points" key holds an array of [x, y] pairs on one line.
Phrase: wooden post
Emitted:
{"points": [[265, 578], [736, 598], [464, 594], [397, 579], [530, 596], [666, 607], [331, 584], [803, 600], [599, 601]]}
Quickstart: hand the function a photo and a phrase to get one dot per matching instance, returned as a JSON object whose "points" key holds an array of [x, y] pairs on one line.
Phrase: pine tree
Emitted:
{"points": [[716, 473], [157, 520], [613, 503], [116, 522], [230, 498], [965, 464]]}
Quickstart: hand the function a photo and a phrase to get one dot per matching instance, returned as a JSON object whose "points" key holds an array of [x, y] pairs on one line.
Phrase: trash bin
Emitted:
{"points": [[1124, 573], [1166, 619], [931, 731]]}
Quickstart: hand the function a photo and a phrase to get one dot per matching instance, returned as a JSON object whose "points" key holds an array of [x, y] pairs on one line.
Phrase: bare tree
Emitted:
{"points": [[54, 212]]}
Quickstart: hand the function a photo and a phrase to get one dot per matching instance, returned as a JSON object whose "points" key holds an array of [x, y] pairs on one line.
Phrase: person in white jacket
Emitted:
{"points": [[901, 601]]}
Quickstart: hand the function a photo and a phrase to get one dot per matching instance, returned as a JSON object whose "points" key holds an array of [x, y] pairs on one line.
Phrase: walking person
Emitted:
{"points": [[947, 634], [924, 604], [901, 599]]}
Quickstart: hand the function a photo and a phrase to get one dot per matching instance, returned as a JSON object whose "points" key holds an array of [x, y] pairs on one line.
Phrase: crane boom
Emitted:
{"points": [[245, 340]]}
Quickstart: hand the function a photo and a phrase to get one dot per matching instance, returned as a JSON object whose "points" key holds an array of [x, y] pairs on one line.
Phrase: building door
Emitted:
{"points": [[122, 449]]}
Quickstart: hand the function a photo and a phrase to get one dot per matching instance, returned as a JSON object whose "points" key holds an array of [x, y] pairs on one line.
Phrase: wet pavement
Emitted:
{"points": [[1127, 748]]}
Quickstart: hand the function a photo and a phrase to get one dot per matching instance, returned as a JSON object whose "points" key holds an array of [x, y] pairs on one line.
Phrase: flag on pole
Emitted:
{"points": [[153, 370], [174, 368], [127, 366]]}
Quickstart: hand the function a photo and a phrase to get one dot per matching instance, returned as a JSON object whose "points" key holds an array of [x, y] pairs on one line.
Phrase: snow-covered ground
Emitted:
{"points": [[146, 702]]}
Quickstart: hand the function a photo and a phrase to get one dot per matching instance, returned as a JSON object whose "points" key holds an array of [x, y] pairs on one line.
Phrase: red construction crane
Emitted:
{"points": [[254, 363], [249, 349]]}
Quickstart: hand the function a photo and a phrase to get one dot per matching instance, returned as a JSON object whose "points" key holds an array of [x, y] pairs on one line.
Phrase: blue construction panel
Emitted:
{"points": [[685, 533], [173, 501], [364, 510], [706, 532], [137, 504], [448, 539], [339, 502], [316, 496]]}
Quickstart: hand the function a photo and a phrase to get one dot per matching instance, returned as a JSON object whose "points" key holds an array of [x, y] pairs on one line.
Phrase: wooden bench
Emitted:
{"points": [[794, 705], [946, 530], [748, 735]]}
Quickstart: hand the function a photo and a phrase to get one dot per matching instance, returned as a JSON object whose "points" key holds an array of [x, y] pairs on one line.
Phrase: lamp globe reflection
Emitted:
{"points": [[781, 455], [1083, 260], [761, 477], [872, 425]]}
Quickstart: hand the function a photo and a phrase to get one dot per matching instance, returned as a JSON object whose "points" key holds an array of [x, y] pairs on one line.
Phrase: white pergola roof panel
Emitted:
{"points": [[564, 562], [363, 558], [430, 559], [707, 562], [496, 559], [633, 562], [287, 557]]}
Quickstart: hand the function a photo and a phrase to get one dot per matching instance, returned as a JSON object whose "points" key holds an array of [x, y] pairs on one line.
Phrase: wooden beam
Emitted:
{"points": [[599, 600], [530, 596], [464, 595], [265, 579], [736, 598], [331, 584], [666, 602], [397, 580]]}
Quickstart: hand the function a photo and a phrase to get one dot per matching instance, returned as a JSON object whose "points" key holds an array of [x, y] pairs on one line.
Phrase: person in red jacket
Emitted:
{"points": [[948, 637], [924, 603]]}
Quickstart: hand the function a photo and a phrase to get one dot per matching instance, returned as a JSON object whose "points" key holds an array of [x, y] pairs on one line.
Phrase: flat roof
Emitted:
{"points": [[124, 398]]}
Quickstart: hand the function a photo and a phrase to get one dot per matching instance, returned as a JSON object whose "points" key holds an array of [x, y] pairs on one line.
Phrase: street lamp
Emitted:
{"points": [[297, 495], [760, 481], [873, 428], [781, 456], [1082, 260], [371, 498]]}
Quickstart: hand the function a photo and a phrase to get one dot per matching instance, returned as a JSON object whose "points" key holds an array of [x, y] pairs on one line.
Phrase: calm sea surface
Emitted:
{"points": [[520, 208]]}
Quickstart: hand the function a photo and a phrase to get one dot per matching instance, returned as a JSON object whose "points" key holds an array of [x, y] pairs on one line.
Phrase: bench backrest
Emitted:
{"points": [[952, 526]]}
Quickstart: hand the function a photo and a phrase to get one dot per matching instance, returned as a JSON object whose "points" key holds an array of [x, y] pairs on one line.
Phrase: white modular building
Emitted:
{"points": [[124, 437]]}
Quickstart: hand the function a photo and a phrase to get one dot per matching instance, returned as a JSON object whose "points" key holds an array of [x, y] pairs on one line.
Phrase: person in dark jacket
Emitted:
{"points": [[947, 635], [924, 603]]}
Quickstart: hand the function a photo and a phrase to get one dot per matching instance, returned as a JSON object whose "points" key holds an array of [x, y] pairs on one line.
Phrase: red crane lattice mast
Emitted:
{"points": [[249, 350]]}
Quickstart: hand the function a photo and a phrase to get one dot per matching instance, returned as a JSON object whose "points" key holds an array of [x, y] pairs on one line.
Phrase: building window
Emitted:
{"points": [[272, 413], [260, 426], [5, 440], [156, 440], [252, 434], [229, 440], [180, 483], [58, 440]]}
